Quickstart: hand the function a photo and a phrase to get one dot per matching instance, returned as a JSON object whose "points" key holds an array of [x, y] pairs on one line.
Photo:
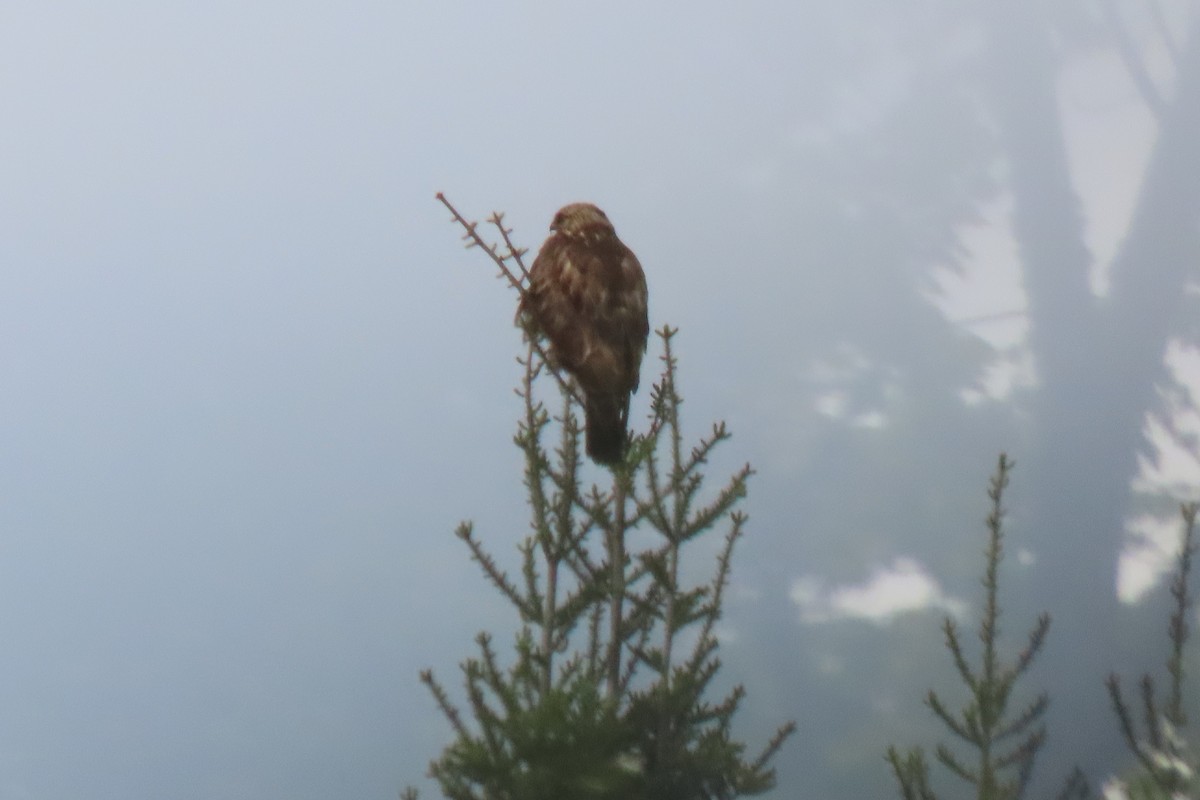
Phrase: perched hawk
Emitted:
{"points": [[587, 295]]}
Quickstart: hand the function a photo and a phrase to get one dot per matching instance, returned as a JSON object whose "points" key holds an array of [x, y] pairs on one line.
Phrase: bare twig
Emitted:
{"points": [[473, 239], [514, 253], [519, 282]]}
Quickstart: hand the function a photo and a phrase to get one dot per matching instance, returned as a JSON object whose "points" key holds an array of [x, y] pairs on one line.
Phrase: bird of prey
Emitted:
{"points": [[587, 296]]}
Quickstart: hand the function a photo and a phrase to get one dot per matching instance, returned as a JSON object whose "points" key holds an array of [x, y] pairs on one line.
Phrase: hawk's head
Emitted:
{"points": [[582, 221]]}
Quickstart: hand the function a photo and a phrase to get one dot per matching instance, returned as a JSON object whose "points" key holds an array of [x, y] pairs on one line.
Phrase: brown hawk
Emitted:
{"points": [[587, 296]]}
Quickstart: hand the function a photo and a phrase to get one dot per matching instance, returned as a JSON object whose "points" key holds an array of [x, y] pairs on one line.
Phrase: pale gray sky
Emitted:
{"points": [[252, 381]]}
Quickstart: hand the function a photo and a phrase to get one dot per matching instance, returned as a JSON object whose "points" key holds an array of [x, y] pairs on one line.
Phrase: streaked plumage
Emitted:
{"points": [[587, 296]]}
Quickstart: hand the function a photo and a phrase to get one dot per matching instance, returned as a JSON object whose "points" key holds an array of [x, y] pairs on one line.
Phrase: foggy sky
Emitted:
{"points": [[253, 381]]}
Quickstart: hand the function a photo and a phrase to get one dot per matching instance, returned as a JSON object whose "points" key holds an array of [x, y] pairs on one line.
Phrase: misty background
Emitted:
{"points": [[252, 382]]}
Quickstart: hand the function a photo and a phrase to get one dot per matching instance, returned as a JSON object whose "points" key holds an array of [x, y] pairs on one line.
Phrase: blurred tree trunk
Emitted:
{"points": [[1097, 362]]}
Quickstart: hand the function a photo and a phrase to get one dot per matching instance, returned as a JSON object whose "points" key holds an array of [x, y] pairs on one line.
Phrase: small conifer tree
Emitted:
{"points": [[1167, 765], [1004, 743], [606, 691]]}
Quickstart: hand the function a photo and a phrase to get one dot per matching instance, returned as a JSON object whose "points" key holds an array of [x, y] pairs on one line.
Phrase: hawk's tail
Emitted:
{"points": [[606, 428]]}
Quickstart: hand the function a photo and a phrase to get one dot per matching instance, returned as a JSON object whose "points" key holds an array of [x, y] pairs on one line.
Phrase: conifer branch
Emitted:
{"points": [[448, 708], [1178, 625], [959, 729], [1075, 788], [1032, 713], [1125, 721], [705, 517], [485, 672], [1150, 713], [950, 629], [497, 576], [532, 597], [514, 253], [951, 762], [712, 611], [776, 741], [636, 657], [473, 238], [1021, 755], [912, 773], [1037, 638]]}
